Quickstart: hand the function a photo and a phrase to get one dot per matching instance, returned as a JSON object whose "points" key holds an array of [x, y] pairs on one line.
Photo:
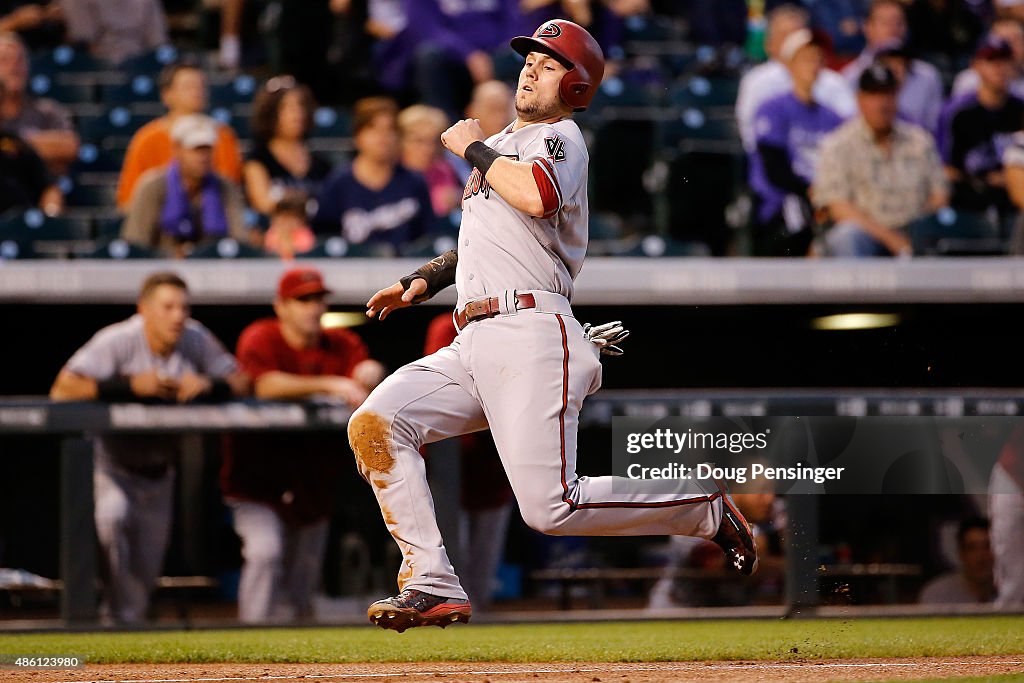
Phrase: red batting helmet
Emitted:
{"points": [[578, 52]]}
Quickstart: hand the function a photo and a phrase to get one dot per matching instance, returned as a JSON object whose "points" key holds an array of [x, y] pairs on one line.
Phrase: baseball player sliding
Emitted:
{"points": [[521, 364]]}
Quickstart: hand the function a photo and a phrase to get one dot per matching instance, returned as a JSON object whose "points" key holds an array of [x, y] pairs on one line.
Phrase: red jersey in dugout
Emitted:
{"points": [[296, 473]]}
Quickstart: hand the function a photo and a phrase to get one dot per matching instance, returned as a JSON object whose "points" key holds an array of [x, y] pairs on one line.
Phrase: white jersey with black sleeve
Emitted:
{"points": [[503, 248]]}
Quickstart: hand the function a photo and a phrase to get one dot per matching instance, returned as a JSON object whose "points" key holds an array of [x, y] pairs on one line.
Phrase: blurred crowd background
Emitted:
{"points": [[721, 128]]}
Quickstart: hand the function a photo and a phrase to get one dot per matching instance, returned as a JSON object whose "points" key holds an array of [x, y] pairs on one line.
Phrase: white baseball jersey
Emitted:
{"points": [[503, 248]]}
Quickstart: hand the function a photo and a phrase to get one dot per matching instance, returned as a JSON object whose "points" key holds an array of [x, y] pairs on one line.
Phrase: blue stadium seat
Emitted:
{"points": [[44, 85], [118, 122], [118, 249], [13, 250], [331, 122], [338, 247], [32, 225], [227, 248], [701, 91], [66, 59], [150, 63], [141, 88], [956, 233], [239, 90], [103, 195]]}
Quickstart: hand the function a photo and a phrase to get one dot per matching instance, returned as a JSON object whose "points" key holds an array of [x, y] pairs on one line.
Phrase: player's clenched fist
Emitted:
{"points": [[462, 135]]}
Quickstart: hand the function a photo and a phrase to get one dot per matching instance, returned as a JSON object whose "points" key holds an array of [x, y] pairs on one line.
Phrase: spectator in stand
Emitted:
{"points": [[445, 48], [421, 127], [39, 24], [485, 496], [1013, 168], [841, 20], [42, 123], [1006, 508], [972, 583], [771, 79], [178, 206], [1012, 31], [299, 38], [977, 128], [493, 105], [24, 180], [281, 162], [183, 92], [158, 355], [116, 30], [921, 93], [375, 199], [788, 129], [876, 174], [289, 232], [281, 487]]}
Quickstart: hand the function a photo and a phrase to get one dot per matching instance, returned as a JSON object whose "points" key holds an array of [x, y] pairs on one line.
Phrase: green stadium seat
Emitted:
{"points": [[227, 248]]}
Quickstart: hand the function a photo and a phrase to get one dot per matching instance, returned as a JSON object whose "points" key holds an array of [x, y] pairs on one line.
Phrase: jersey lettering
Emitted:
{"points": [[477, 184]]}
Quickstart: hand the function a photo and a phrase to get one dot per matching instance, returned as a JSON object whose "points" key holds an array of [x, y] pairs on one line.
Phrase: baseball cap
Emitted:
{"points": [[194, 130], [877, 78], [992, 48], [301, 282], [798, 39]]}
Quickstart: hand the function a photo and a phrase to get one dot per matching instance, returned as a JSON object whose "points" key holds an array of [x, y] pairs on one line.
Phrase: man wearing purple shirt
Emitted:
{"points": [[787, 131]]}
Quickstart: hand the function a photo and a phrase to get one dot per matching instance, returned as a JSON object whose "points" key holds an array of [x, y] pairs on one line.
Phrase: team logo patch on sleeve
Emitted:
{"points": [[556, 148]]}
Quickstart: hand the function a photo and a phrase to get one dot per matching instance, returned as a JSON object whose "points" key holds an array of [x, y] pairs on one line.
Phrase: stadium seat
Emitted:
{"points": [[227, 248], [702, 183], [703, 92], [32, 225], [956, 233], [13, 250], [239, 124], [141, 88], [102, 195], [692, 123], [107, 228], [95, 159], [331, 122], [150, 63], [44, 85], [65, 59], [655, 246], [338, 247], [118, 249], [239, 90], [429, 246], [116, 122], [621, 155]]}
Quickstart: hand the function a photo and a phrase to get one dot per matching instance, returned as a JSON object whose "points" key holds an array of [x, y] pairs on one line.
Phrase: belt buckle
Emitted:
{"points": [[478, 309]]}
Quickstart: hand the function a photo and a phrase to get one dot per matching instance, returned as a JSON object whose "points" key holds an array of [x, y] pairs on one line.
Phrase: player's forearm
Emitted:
{"points": [[515, 182], [71, 387], [284, 386]]}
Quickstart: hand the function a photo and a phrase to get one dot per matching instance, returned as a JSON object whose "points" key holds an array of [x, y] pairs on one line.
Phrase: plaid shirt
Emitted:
{"points": [[893, 189]]}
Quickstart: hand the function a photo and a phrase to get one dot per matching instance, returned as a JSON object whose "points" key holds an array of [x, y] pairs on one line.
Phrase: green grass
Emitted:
{"points": [[604, 642]]}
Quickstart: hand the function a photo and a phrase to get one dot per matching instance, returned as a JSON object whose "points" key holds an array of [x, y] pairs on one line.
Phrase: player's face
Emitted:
{"points": [[302, 315], [164, 313], [537, 96]]}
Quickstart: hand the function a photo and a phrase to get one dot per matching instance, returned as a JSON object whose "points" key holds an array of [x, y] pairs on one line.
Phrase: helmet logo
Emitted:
{"points": [[549, 31]]}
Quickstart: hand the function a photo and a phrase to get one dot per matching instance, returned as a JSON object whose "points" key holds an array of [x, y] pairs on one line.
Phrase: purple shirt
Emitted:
{"points": [[798, 128]]}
